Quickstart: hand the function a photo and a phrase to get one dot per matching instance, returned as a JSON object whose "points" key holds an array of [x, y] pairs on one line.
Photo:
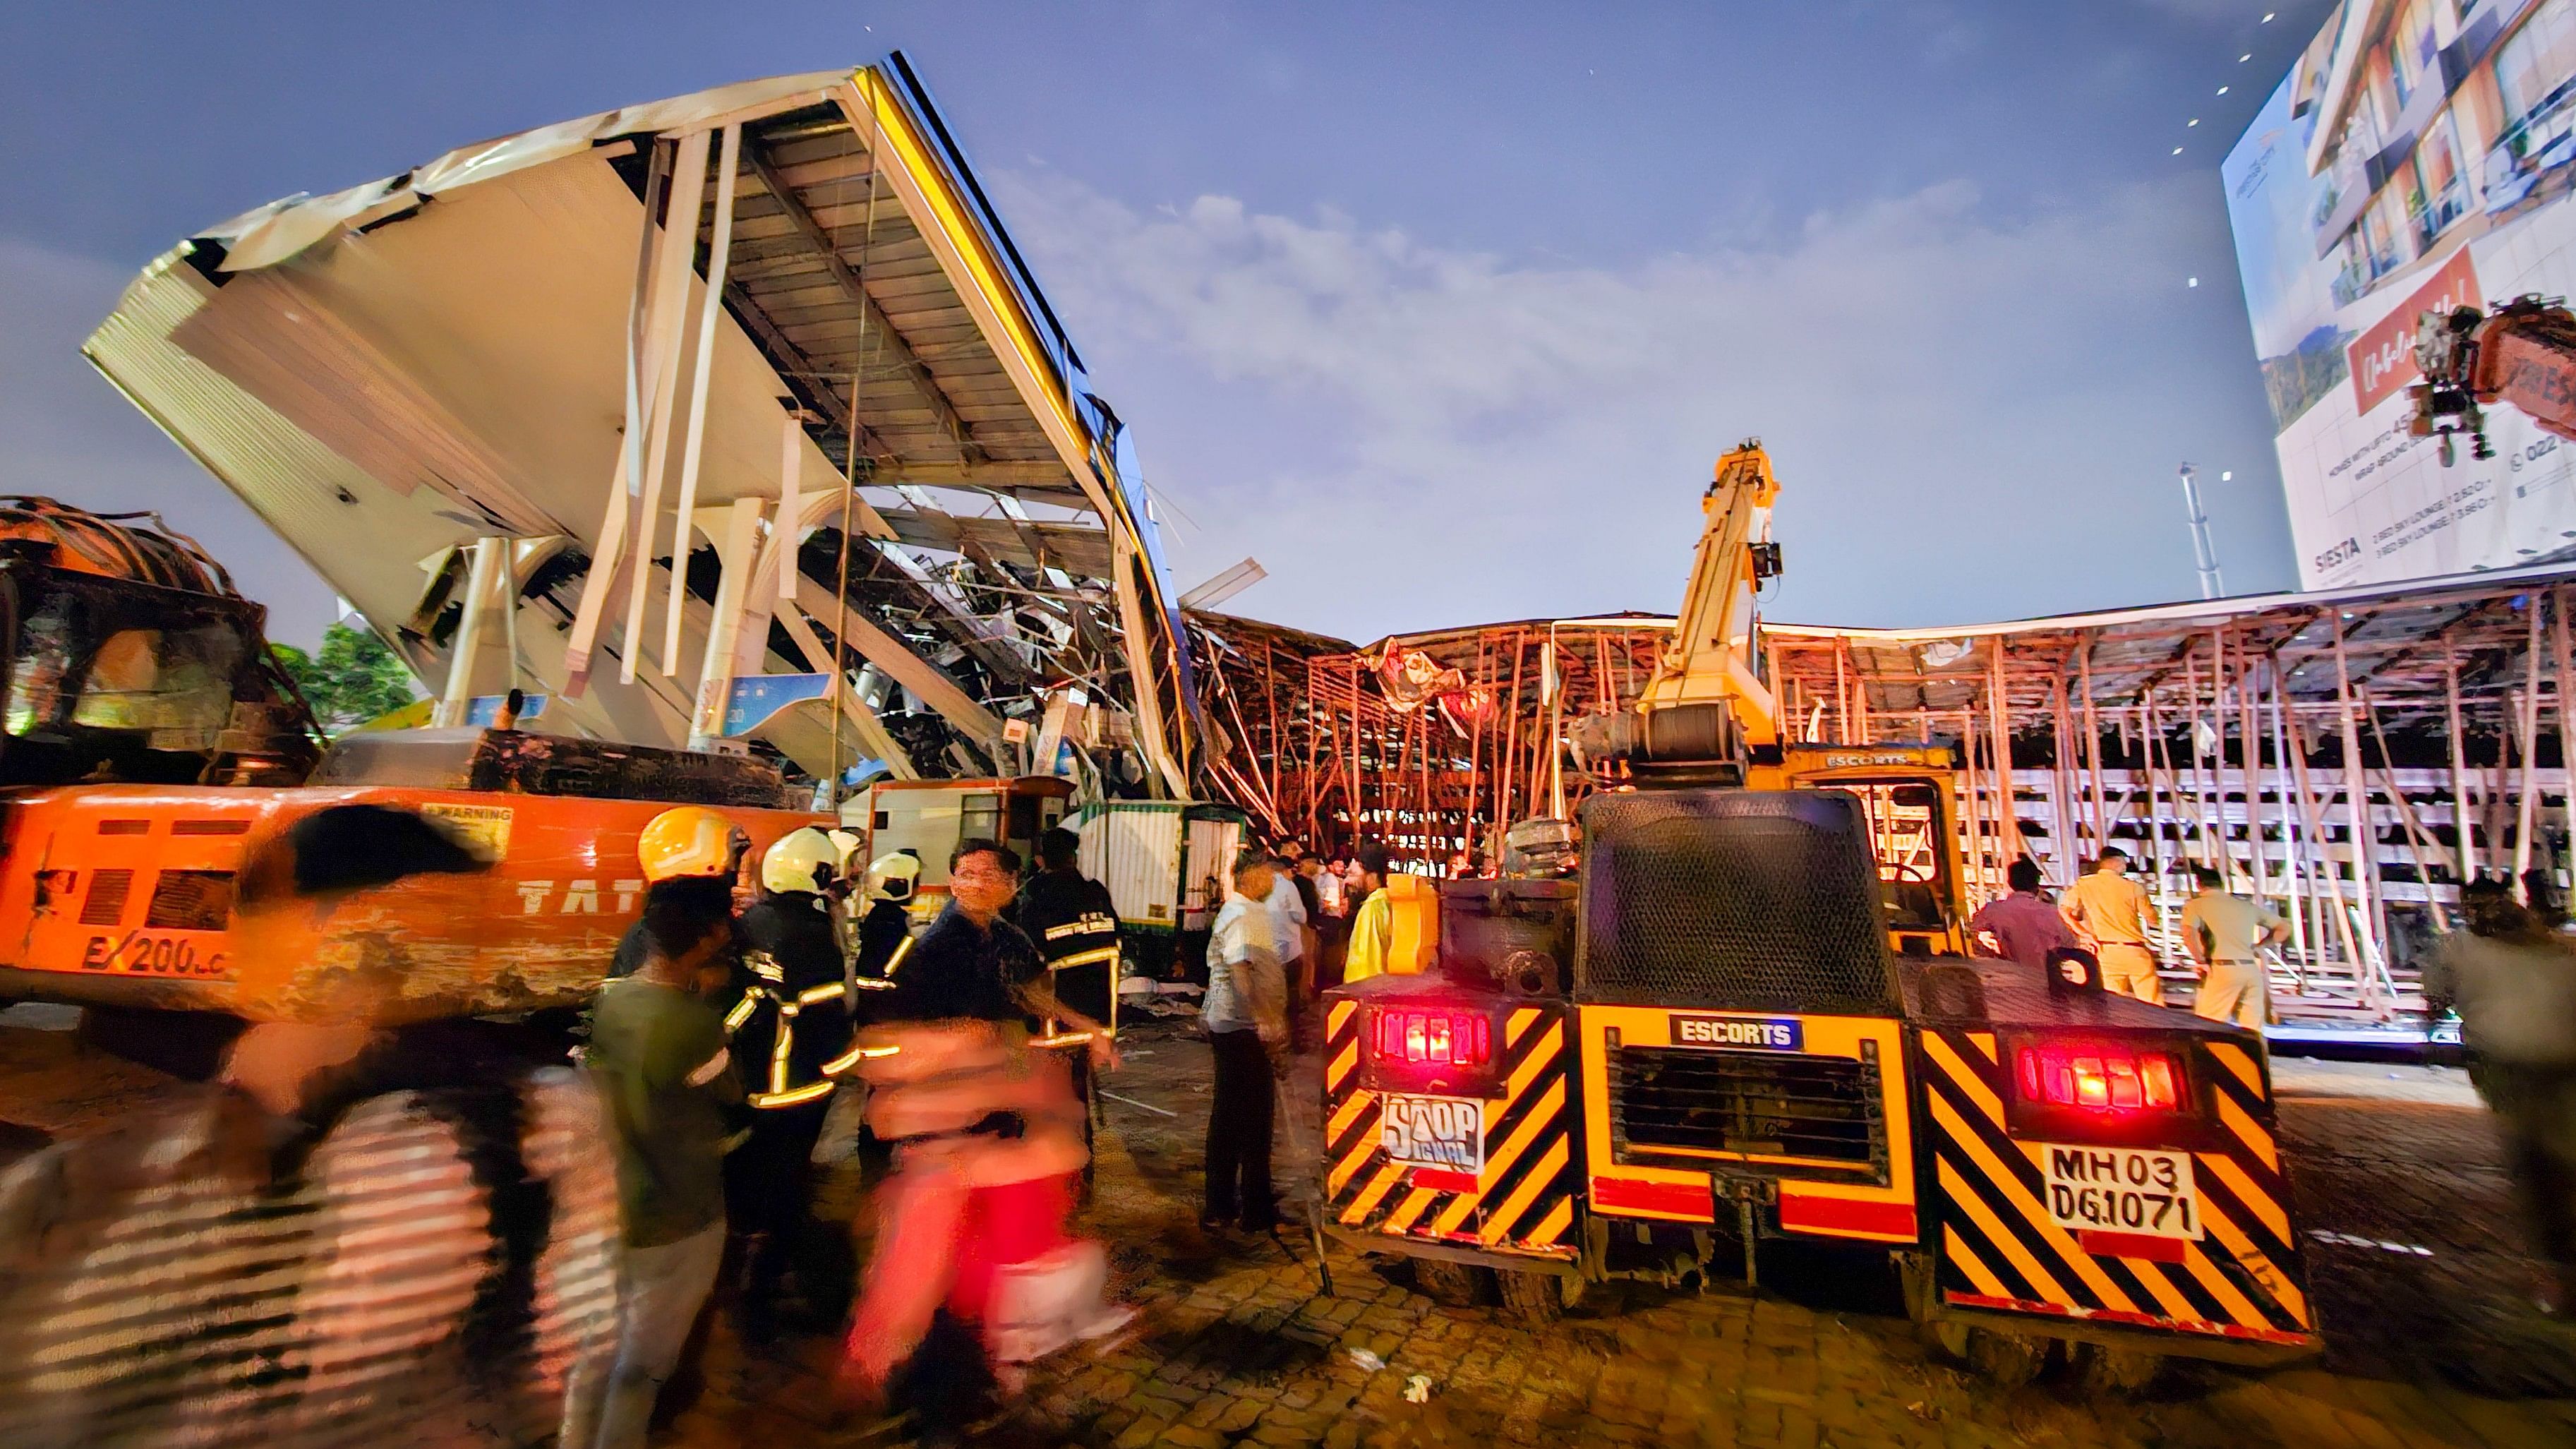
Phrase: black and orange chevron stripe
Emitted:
{"points": [[1523, 1201], [1998, 1248]]}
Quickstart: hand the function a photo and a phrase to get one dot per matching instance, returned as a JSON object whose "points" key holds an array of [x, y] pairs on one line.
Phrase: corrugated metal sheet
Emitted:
{"points": [[1134, 848]]}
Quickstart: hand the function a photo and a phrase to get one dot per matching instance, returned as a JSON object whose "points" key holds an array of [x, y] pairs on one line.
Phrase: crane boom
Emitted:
{"points": [[1705, 710], [1709, 660]]}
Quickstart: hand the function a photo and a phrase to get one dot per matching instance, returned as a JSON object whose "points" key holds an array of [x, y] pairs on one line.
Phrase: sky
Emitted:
{"points": [[1442, 313]]}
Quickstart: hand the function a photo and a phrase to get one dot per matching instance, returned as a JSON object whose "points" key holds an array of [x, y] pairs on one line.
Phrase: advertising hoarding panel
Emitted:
{"points": [[2420, 157]]}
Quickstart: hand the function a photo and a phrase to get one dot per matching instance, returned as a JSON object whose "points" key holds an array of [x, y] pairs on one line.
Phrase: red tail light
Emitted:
{"points": [[1433, 1036], [2101, 1079]]}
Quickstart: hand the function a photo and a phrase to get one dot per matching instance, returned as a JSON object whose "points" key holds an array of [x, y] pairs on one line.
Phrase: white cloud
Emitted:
{"points": [[1971, 416], [65, 433]]}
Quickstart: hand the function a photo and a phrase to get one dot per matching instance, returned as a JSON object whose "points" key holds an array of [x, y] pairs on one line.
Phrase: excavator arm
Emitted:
{"points": [[2522, 353]]}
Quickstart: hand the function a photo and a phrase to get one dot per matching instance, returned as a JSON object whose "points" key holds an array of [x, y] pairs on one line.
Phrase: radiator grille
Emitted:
{"points": [[1733, 899], [105, 903], [190, 900], [1758, 1103]]}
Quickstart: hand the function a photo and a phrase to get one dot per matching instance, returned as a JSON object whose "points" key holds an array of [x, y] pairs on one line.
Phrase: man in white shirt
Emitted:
{"points": [[1247, 1024], [1296, 938]]}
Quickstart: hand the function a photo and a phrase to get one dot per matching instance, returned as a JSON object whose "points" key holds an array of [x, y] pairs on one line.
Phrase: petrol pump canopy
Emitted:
{"points": [[389, 373]]}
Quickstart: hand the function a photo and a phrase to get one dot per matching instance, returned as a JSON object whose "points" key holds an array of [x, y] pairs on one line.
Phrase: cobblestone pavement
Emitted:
{"points": [[1240, 1346], [1237, 1345]]}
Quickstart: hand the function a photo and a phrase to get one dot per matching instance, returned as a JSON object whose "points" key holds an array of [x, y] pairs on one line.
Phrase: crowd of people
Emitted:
{"points": [[726, 1028], [2107, 915], [2508, 975]]}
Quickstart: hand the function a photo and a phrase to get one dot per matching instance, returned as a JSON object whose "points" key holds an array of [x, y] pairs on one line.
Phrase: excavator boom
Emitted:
{"points": [[2521, 352]]}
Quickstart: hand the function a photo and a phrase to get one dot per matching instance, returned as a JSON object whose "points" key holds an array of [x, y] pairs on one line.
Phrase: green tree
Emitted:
{"points": [[353, 679]]}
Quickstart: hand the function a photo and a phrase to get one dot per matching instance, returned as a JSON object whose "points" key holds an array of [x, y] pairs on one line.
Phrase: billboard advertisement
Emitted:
{"points": [[2420, 157]]}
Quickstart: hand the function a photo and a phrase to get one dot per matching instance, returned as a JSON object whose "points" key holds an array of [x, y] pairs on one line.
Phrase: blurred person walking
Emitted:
{"points": [[657, 1052], [1246, 1016], [2225, 934], [2109, 909], [972, 1224], [2513, 981]]}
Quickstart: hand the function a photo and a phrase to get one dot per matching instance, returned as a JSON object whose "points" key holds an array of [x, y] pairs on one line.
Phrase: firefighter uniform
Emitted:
{"points": [[883, 932], [1075, 926], [790, 1031]]}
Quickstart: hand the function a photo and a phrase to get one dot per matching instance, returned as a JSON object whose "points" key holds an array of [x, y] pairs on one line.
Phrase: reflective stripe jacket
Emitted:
{"points": [[793, 1023], [1075, 925]]}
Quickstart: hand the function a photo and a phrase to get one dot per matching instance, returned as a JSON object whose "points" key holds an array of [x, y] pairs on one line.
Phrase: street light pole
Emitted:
{"points": [[2204, 553]]}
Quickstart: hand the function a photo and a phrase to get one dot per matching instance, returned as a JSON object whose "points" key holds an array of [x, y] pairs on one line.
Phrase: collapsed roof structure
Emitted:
{"points": [[631, 412], [2351, 756]]}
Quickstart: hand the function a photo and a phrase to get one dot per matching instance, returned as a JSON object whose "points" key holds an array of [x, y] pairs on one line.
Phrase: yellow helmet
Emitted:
{"points": [[689, 840], [804, 859]]}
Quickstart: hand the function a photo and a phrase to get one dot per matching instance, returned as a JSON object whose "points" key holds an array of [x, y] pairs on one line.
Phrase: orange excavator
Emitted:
{"points": [[2521, 352], [152, 751]]}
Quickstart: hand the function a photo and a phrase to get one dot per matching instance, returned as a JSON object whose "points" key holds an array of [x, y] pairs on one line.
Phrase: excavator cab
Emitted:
{"points": [[128, 657], [1909, 799]]}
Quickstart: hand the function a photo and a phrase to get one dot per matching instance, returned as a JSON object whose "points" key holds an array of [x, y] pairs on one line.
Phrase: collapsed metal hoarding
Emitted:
{"points": [[479, 397]]}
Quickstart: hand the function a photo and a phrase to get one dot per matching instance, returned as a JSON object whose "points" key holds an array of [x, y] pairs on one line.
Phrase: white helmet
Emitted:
{"points": [[893, 876], [804, 859], [846, 845]]}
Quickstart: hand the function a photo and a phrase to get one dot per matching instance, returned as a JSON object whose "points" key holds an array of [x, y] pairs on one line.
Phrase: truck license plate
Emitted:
{"points": [[1434, 1132], [2122, 1190]]}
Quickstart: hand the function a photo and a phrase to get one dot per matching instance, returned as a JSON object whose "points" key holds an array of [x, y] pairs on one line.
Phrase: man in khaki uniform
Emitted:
{"points": [[2223, 932], [2108, 910]]}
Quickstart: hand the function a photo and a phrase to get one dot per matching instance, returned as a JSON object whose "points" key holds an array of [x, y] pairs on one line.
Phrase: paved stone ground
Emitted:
{"points": [[1237, 1345]]}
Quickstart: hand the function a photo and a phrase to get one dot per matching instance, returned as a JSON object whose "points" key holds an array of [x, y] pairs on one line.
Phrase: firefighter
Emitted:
{"points": [[885, 930], [793, 1023], [686, 840], [1075, 925]]}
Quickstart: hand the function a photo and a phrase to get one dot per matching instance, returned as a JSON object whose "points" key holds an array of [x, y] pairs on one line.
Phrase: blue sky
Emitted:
{"points": [[1442, 312]]}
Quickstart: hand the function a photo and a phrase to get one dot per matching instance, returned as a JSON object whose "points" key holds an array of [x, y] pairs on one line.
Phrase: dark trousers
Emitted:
{"points": [[2535, 1111], [1238, 1140], [1082, 1093], [769, 1190]]}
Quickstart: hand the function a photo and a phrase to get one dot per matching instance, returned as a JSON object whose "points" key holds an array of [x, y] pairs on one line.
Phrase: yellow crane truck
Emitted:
{"points": [[1741, 1017]]}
